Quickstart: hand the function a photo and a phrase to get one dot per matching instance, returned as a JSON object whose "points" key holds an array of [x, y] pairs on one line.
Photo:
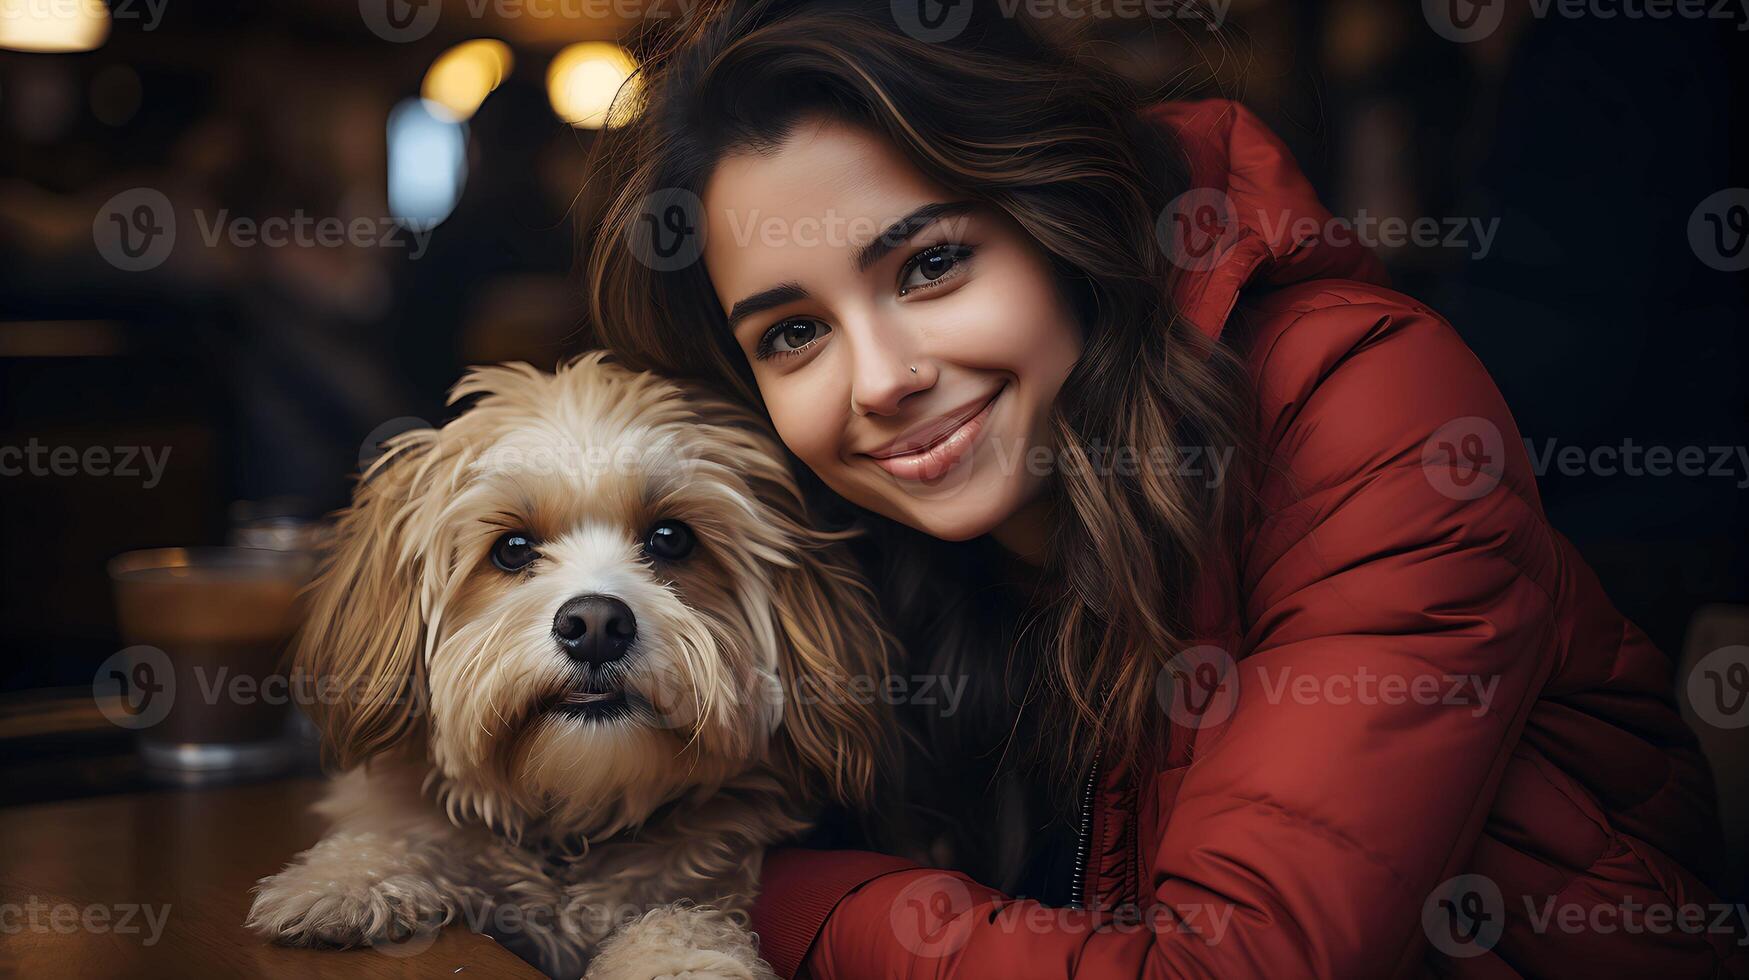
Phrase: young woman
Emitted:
{"points": [[1267, 661]]}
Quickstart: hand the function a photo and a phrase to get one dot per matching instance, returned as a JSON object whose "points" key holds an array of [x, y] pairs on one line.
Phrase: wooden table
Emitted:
{"points": [[81, 883]]}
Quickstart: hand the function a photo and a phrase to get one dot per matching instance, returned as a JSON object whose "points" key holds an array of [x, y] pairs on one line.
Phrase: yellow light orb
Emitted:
{"points": [[583, 80], [461, 78], [67, 25]]}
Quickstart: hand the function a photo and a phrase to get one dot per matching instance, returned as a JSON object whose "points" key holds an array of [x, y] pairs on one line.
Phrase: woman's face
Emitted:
{"points": [[841, 268]]}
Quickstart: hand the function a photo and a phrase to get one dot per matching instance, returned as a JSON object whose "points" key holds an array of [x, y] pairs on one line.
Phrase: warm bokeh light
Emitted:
{"points": [[67, 25], [583, 80], [461, 78]]}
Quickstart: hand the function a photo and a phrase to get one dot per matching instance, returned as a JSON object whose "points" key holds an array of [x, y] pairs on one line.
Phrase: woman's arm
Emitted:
{"points": [[1314, 826]]}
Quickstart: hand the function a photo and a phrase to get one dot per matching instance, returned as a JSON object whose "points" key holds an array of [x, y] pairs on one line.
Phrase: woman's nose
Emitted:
{"points": [[885, 369]]}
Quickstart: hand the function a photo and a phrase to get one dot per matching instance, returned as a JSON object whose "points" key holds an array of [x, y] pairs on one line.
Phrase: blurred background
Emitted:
{"points": [[243, 242]]}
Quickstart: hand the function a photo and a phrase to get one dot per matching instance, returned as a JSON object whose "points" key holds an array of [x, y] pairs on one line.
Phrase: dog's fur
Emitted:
{"points": [[629, 847]]}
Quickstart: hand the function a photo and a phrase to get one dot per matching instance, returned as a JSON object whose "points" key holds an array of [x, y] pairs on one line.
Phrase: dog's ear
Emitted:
{"points": [[360, 647], [837, 737], [834, 655]]}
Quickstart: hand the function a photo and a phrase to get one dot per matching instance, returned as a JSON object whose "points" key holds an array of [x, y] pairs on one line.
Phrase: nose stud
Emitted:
{"points": [[857, 411]]}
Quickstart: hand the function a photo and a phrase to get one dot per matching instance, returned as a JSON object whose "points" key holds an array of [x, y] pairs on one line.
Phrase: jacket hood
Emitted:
{"points": [[1250, 219]]}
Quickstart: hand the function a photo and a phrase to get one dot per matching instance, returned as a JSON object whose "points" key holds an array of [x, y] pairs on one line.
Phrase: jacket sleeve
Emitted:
{"points": [[1400, 625]]}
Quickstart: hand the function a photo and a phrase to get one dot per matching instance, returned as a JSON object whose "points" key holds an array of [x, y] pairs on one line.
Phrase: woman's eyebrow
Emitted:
{"points": [[900, 231], [778, 295], [890, 238]]}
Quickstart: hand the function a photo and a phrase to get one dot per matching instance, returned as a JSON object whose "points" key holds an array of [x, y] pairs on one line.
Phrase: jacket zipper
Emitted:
{"points": [[1084, 839]]}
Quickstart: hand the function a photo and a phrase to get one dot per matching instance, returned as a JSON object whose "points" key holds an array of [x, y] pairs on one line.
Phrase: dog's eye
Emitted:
{"points": [[669, 541], [512, 552]]}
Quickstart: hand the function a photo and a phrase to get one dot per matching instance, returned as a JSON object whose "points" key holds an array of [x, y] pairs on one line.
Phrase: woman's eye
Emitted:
{"points": [[931, 265], [790, 336], [669, 541], [514, 551]]}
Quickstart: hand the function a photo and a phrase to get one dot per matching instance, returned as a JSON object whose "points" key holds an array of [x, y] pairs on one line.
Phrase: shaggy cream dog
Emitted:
{"points": [[582, 659]]}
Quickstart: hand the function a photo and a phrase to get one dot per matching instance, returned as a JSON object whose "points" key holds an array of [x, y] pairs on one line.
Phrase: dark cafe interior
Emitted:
{"points": [[243, 244]]}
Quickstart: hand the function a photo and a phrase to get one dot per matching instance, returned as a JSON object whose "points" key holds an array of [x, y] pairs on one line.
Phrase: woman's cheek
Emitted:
{"points": [[804, 423], [1008, 316]]}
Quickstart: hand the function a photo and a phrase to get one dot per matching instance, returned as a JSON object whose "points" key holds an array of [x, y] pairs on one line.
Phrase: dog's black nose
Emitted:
{"points": [[595, 629]]}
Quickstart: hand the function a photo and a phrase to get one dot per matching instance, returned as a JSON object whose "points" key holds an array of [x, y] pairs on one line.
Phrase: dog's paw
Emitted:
{"points": [[681, 942], [307, 906]]}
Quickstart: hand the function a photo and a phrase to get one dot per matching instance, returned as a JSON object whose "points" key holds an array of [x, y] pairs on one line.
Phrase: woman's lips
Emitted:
{"points": [[938, 457]]}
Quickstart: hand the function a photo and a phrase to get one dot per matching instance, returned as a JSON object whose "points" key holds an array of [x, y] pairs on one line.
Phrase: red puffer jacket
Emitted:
{"points": [[1425, 745]]}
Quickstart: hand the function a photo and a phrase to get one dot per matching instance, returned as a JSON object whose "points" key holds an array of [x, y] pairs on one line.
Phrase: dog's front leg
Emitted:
{"points": [[681, 940], [386, 873], [677, 898]]}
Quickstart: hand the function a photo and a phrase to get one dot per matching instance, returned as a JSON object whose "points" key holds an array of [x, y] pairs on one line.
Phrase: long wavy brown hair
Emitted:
{"points": [[1067, 665]]}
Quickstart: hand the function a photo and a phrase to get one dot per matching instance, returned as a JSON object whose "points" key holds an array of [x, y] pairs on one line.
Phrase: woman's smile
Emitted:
{"points": [[930, 450]]}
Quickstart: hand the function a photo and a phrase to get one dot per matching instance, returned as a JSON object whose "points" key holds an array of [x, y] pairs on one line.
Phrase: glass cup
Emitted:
{"points": [[207, 629]]}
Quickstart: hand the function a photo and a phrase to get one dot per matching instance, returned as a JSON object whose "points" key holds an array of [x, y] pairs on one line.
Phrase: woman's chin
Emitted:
{"points": [[979, 508]]}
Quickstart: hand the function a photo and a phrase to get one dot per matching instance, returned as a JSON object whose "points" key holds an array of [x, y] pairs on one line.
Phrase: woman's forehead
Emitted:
{"points": [[829, 187]]}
